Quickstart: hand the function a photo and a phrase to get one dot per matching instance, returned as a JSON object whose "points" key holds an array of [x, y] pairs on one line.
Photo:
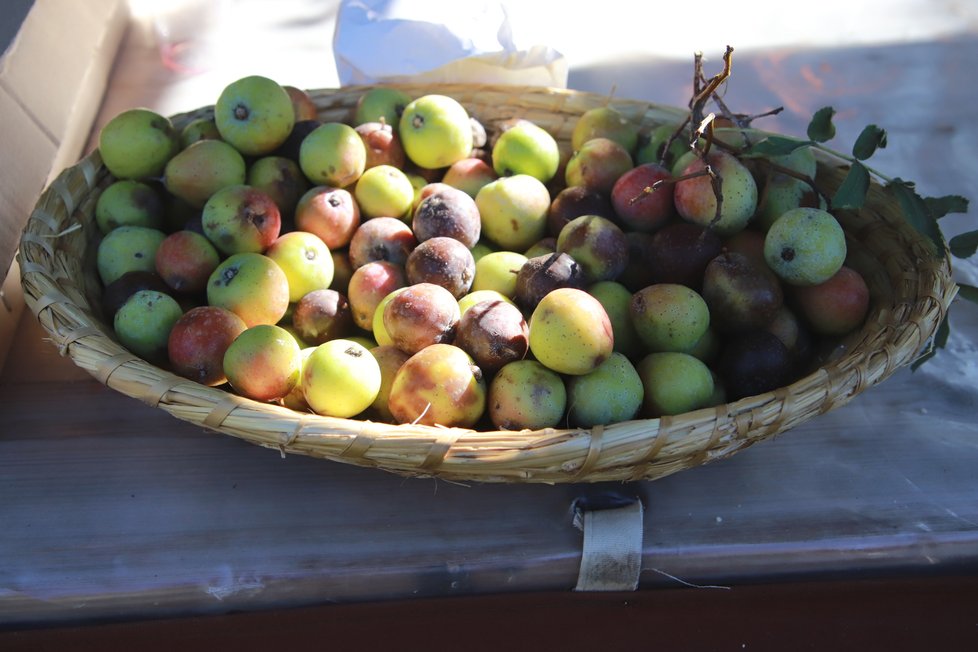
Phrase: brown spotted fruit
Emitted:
{"points": [[740, 292], [241, 219], [421, 315], [526, 395], [598, 245], [570, 332], [494, 333], [439, 384]]}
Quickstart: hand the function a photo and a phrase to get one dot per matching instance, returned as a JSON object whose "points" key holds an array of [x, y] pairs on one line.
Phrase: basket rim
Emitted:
{"points": [[633, 450]]}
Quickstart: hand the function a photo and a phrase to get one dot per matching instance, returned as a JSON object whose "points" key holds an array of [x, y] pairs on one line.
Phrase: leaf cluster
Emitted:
{"points": [[923, 213]]}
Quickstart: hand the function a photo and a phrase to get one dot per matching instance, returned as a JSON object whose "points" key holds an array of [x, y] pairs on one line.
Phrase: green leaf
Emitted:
{"points": [[924, 358], [964, 245], [852, 192], [916, 212], [940, 341], [871, 138], [821, 129], [941, 206], [776, 146], [968, 292]]}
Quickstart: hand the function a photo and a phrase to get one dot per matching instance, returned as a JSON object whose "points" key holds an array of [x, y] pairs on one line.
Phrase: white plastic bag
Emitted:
{"points": [[439, 41]]}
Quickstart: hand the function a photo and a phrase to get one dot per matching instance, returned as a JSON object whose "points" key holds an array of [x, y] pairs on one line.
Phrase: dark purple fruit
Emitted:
{"points": [[573, 202], [116, 292], [322, 315], [742, 294], [443, 261], [542, 274], [494, 333], [680, 253], [290, 148], [447, 212], [639, 272], [752, 363]]}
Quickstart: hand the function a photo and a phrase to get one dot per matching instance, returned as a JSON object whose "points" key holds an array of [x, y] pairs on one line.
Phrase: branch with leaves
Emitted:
{"points": [[922, 213]]}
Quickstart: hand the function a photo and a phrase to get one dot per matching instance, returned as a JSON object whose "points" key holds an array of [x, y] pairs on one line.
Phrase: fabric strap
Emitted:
{"points": [[612, 557]]}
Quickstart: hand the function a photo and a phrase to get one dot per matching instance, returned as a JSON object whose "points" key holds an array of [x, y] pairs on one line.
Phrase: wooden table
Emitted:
{"points": [[116, 512]]}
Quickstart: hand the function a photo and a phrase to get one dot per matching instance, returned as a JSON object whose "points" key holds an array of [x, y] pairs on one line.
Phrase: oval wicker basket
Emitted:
{"points": [[911, 290]]}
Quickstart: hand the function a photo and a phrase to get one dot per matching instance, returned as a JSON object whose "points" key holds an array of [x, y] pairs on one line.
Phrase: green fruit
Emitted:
{"points": [[610, 394], [254, 114], [526, 148], [198, 129], [800, 160], [513, 211], [616, 299], [127, 249], [251, 286], [378, 329], [674, 383], [526, 395], [478, 296], [340, 378], [652, 150], [306, 261], [281, 179], [669, 317], [128, 202], [333, 154], [381, 105], [435, 131], [696, 199], [570, 332], [144, 322], [497, 270], [681, 162], [605, 122], [137, 143], [203, 168], [384, 190], [805, 246], [481, 249], [781, 194]]}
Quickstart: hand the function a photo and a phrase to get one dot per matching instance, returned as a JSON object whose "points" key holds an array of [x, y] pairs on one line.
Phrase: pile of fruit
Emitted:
{"points": [[413, 265]]}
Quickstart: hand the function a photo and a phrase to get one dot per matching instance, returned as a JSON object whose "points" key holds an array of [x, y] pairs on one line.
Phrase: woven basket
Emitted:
{"points": [[911, 290]]}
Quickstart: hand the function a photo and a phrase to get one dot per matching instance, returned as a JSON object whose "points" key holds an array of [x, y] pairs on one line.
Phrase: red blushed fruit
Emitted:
{"points": [[573, 202], [449, 212], [382, 144], [469, 175], [640, 207], [837, 306], [241, 218], [302, 104], [199, 340], [382, 239], [369, 285], [749, 242], [185, 260], [421, 315], [330, 213]]}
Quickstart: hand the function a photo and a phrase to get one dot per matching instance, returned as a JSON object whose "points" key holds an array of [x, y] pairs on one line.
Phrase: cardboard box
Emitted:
{"points": [[55, 65]]}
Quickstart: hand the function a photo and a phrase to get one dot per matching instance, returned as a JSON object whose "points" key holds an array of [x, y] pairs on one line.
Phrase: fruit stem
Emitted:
{"points": [[701, 95], [851, 159], [665, 148], [648, 190], [796, 175]]}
